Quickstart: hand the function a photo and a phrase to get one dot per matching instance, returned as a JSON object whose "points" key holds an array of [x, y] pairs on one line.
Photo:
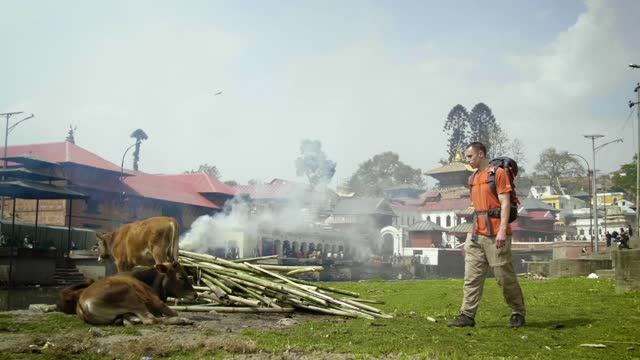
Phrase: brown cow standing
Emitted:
{"points": [[140, 294], [146, 243]]}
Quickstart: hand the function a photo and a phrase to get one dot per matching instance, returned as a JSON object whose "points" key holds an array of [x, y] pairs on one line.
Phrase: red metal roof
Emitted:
{"points": [[162, 187], [181, 188], [447, 204], [203, 183], [62, 152]]}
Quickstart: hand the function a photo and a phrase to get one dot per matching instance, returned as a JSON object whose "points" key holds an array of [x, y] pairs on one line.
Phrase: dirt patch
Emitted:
{"points": [[209, 333]]}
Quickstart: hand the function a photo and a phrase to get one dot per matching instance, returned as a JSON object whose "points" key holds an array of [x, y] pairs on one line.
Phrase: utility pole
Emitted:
{"points": [[637, 91], [637, 104], [595, 190], [589, 174], [7, 130], [6, 135]]}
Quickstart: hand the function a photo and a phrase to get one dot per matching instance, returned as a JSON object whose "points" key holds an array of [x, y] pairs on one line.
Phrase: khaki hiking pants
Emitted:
{"points": [[481, 254]]}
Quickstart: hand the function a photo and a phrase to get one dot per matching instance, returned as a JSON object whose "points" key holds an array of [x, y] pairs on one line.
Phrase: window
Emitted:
{"points": [[428, 218], [417, 252], [438, 220], [448, 221], [581, 231]]}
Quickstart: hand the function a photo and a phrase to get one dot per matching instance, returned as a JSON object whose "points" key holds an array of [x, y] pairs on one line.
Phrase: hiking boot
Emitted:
{"points": [[462, 321], [517, 321]]}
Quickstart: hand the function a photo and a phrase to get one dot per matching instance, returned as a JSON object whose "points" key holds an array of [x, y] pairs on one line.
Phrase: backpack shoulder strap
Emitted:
{"points": [[472, 178], [491, 180]]}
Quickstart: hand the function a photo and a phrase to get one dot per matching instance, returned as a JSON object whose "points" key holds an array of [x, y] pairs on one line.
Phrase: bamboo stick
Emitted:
{"points": [[259, 285], [213, 259], [278, 287], [227, 309], [216, 282], [362, 306], [244, 301], [300, 271], [253, 293], [327, 288], [314, 293], [289, 268], [255, 258], [368, 301]]}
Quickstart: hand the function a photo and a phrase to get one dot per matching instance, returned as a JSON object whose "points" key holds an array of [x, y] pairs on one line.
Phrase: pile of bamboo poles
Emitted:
{"points": [[244, 286]]}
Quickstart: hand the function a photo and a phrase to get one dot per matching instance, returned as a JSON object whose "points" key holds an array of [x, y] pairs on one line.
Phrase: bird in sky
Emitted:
{"points": [[218, 93]]}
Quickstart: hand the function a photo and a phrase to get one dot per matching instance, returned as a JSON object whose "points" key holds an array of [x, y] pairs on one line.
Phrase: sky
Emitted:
{"points": [[362, 77]]}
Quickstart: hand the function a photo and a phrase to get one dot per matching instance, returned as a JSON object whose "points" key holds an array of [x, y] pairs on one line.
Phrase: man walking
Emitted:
{"points": [[490, 245]]}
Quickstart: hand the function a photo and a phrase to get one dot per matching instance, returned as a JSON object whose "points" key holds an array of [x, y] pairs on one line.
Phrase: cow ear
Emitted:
{"points": [[162, 268]]}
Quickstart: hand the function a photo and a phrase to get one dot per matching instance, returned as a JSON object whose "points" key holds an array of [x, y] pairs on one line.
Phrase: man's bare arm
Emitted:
{"points": [[505, 207]]}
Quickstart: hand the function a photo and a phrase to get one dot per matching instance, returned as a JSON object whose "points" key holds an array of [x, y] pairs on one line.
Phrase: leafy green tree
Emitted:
{"points": [[482, 124], [382, 171], [456, 128], [314, 164], [210, 170], [627, 179], [139, 135], [555, 165]]}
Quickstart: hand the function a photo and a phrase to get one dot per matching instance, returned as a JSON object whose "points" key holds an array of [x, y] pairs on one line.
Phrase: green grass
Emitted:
{"points": [[562, 314], [52, 323]]}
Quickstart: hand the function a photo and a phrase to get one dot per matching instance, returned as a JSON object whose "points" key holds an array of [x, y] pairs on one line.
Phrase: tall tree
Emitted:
{"points": [[314, 164], [456, 128], [210, 170], [501, 145], [382, 171], [627, 179], [482, 124], [555, 165], [139, 135]]}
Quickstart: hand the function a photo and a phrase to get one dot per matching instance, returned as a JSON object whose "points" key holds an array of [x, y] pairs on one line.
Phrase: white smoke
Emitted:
{"points": [[211, 232], [303, 210]]}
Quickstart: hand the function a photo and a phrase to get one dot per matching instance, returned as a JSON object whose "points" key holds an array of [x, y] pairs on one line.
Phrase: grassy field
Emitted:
{"points": [[562, 315]]}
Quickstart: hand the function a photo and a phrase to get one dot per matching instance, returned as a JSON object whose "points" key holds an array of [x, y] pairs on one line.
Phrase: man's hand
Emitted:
{"points": [[501, 239]]}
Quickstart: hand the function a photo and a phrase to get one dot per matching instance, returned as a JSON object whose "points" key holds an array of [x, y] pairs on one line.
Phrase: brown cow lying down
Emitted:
{"points": [[68, 297], [145, 243], [123, 297]]}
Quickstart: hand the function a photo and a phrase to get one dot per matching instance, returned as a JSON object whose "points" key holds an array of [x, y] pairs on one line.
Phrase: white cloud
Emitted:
{"points": [[360, 95]]}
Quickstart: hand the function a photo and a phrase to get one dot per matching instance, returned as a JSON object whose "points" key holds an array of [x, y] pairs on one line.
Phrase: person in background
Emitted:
{"points": [[608, 236]]}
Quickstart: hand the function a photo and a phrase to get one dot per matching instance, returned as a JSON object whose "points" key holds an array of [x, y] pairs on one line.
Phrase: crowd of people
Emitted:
{"points": [[621, 238]]}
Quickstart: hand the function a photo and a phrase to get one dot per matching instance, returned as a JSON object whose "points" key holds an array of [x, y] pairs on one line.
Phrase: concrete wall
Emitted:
{"points": [[627, 267], [28, 269], [91, 268], [561, 268]]}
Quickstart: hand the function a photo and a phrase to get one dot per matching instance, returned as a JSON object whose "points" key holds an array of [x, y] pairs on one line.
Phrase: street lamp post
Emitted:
{"points": [[125, 154], [7, 130], [590, 195], [637, 104], [595, 190]]}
